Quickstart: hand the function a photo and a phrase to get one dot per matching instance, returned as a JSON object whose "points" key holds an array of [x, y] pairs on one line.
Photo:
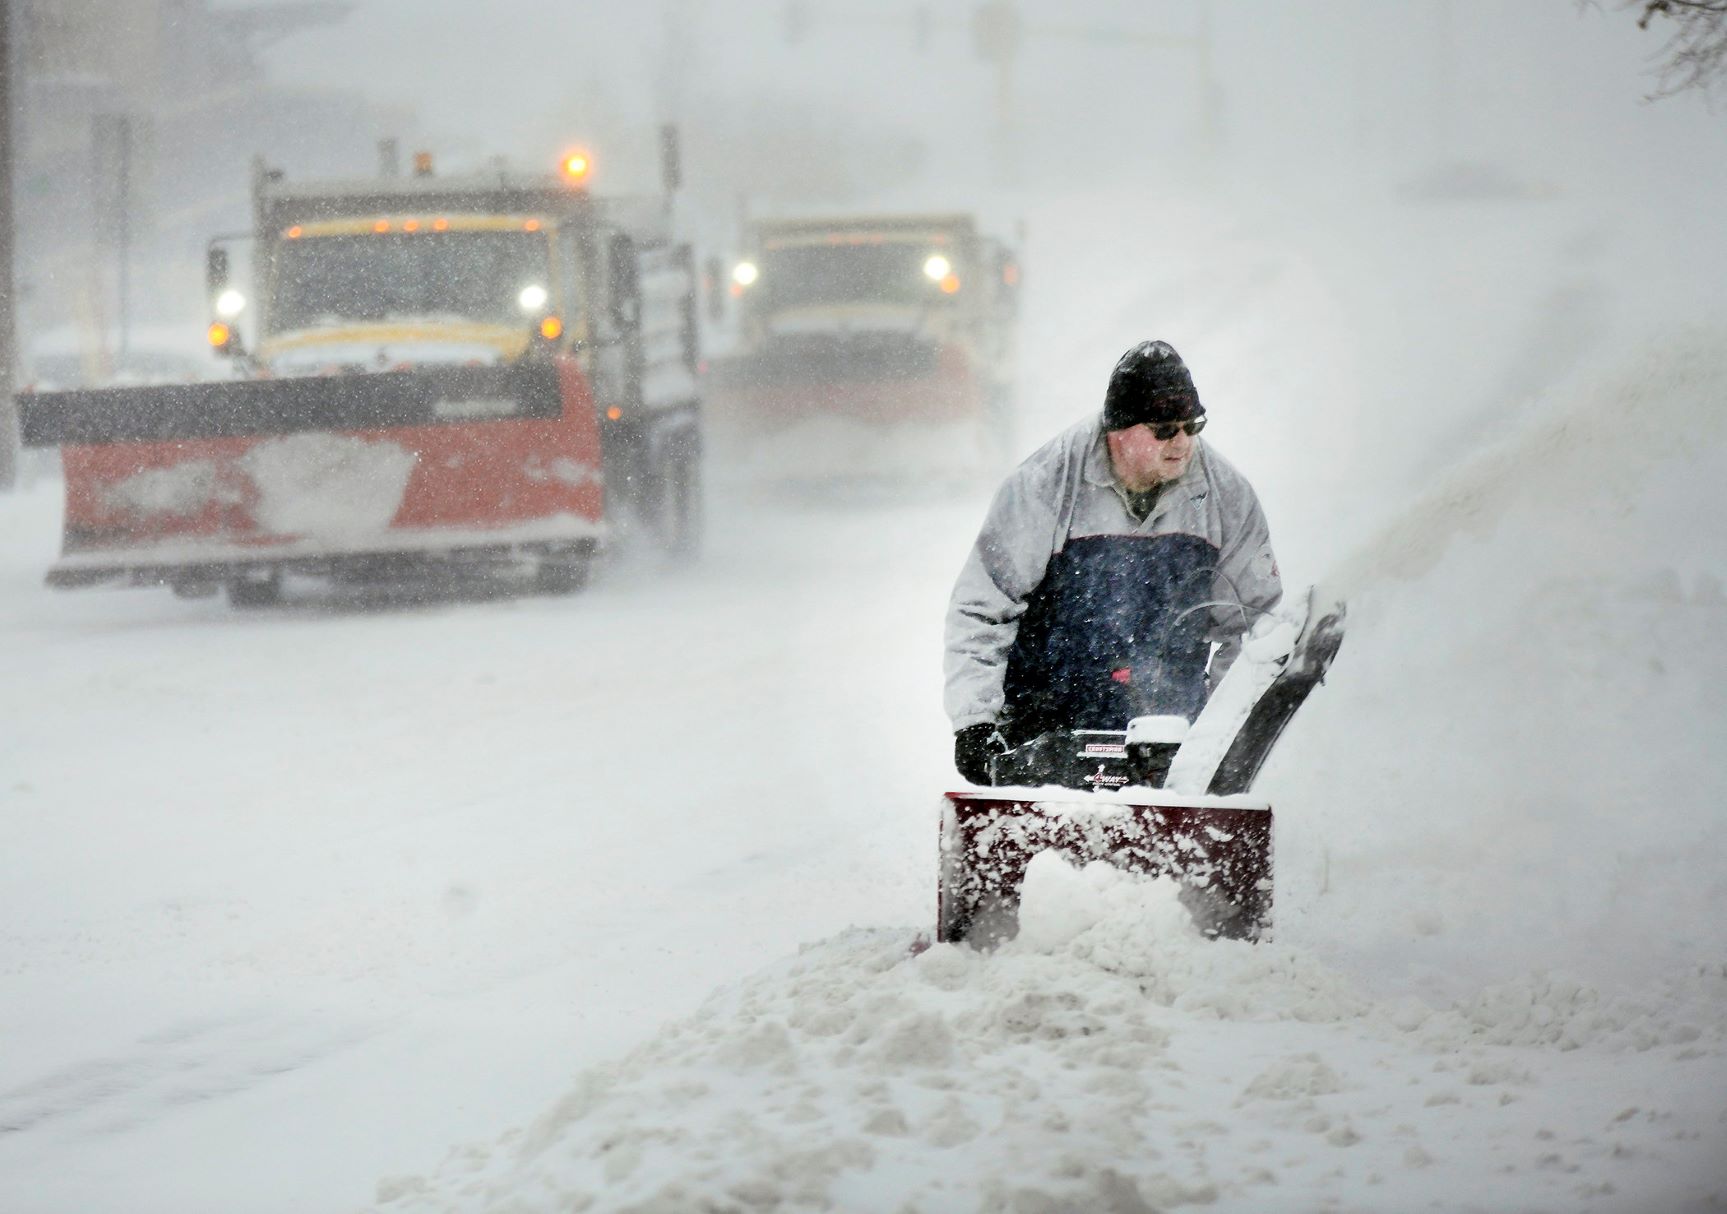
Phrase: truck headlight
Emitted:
{"points": [[230, 303]]}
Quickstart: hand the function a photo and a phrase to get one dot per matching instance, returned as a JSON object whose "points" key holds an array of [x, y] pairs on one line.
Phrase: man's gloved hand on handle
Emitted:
{"points": [[973, 748]]}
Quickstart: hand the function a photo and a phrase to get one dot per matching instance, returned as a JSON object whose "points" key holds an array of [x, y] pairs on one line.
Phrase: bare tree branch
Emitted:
{"points": [[1695, 55]]}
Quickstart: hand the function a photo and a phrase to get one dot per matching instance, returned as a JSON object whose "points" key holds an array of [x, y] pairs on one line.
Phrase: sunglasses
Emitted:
{"points": [[1164, 431]]}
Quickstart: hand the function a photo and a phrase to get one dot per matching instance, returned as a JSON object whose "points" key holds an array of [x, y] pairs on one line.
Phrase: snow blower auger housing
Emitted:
{"points": [[1159, 797]]}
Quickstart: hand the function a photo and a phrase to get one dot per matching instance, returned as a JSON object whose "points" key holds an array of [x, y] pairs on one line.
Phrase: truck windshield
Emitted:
{"points": [[801, 276], [457, 275]]}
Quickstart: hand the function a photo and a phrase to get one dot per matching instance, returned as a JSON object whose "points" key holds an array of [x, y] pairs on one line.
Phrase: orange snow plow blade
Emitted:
{"points": [[1218, 847], [209, 482]]}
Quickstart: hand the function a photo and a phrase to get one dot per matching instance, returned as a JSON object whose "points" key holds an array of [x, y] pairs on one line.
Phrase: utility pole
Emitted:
{"points": [[997, 29], [111, 152], [1444, 80], [1000, 31], [123, 170], [8, 275], [1210, 91]]}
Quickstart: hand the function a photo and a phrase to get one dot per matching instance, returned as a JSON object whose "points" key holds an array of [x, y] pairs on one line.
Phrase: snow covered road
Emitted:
{"points": [[293, 841]]}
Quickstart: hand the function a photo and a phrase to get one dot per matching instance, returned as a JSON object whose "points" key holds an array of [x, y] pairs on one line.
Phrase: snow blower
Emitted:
{"points": [[1161, 797]]}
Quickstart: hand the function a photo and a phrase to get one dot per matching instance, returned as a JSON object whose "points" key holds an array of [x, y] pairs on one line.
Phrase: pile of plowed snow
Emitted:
{"points": [[1499, 979], [1512, 765]]}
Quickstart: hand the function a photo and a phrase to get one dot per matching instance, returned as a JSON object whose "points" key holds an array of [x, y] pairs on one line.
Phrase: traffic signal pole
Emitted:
{"points": [[8, 277]]}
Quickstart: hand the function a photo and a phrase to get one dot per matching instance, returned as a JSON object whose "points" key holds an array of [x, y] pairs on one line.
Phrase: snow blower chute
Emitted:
{"points": [[1160, 797]]}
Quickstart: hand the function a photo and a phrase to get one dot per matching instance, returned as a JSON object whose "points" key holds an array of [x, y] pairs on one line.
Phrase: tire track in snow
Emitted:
{"points": [[186, 1063]]}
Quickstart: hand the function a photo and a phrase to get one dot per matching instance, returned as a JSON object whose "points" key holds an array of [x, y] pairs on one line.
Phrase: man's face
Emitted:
{"points": [[1141, 459]]}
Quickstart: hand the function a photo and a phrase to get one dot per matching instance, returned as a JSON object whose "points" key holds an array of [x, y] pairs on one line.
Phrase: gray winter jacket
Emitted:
{"points": [[1066, 491]]}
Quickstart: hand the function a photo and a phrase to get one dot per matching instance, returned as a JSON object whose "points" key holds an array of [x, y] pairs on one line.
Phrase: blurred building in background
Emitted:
{"points": [[135, 124]]}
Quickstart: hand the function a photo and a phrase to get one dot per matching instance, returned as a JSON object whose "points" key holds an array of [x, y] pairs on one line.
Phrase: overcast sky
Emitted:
{"points": [[1098, 84]]}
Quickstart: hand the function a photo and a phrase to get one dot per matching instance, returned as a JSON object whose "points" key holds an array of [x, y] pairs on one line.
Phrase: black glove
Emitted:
{"points": [[973, 748]]}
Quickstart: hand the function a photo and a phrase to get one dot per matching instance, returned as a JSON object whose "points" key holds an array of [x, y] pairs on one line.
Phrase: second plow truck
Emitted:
{"points": [[859, 329], [440, 376]]}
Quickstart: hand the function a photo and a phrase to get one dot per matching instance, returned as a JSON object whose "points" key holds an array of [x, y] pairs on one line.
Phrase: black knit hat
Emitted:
{"points": [[1150, 384]]}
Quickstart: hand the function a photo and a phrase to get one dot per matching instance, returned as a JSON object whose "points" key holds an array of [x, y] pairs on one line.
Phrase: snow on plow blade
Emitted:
{"points": [[1219, 848], [351, 475]]}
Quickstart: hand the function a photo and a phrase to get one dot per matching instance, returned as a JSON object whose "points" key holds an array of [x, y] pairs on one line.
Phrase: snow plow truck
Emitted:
{"points": [[865, 325], [435, 377]]}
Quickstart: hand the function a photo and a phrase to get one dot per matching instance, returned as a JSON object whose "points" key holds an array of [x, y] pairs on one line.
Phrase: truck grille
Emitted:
{"points": [[843, 357]]}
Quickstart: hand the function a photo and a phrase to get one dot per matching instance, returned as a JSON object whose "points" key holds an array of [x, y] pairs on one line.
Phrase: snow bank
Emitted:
{"points": [[1509, 767], [1591, 454], [1092, 1064]]}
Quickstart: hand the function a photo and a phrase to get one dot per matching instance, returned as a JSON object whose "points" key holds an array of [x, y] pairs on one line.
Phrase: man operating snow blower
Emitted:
{"points": [[1111, 561]]}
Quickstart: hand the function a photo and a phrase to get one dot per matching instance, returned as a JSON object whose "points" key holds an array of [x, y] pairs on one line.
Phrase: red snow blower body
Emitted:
{"points": [[1161, 798]]}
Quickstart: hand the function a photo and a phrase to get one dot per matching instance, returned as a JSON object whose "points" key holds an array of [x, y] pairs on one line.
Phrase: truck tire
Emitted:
{"points": [[245, 593], [669, 502], [563, 575], [682, 509], [194, 588]]}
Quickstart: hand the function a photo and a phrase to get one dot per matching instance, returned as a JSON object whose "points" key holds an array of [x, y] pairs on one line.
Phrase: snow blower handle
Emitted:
{"points": [[974, 747], [1092, 759]]}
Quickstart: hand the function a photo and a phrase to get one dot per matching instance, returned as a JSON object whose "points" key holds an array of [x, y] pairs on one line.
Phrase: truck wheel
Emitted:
{"points": [[562, 575], [682, 515], [248, 592]]}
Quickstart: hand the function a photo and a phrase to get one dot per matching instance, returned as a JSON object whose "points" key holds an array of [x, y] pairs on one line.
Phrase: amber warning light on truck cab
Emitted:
{"points": [[575, 166], [224, 339]]}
